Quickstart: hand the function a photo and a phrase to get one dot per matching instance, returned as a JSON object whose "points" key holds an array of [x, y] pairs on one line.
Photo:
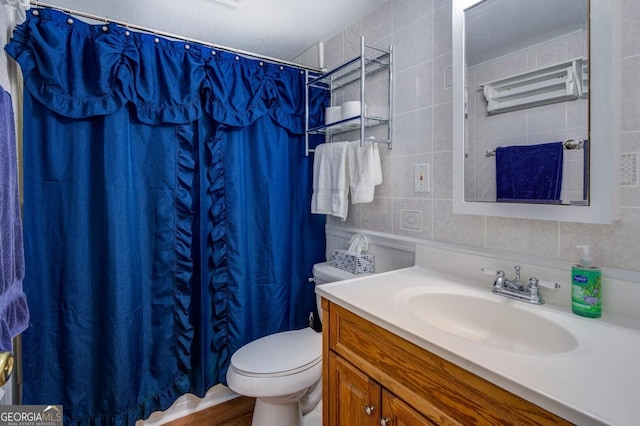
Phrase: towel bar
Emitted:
{"points": [[568, 144], [369, 139]]}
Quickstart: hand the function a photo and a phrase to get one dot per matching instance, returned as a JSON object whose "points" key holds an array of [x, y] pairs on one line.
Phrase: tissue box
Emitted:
{"points": [[354, 263]]}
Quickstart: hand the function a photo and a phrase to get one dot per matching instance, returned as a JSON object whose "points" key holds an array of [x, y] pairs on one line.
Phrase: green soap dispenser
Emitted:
{"points": [[586, 288]]}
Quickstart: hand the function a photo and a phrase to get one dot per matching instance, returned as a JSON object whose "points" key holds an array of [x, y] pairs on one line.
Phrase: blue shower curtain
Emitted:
{"points": [[273, 211], [166, 214]]}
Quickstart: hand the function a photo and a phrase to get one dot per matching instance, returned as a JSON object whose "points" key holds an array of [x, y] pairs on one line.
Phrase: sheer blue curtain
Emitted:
{"points": [[166, 214]]}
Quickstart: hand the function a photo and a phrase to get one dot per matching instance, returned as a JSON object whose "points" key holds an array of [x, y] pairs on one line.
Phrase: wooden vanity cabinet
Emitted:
{"points": [[372, 375], [358, 399]]}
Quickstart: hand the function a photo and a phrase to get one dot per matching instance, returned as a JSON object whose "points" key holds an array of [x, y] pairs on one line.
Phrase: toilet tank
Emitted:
{"points": [[325, 273]]}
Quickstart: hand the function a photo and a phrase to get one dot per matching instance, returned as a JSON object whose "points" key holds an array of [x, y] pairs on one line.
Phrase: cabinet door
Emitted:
{"points": [[396, 412], [354, 399]]}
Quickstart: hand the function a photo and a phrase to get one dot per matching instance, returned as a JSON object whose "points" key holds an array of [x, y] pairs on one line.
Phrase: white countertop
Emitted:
{"points": [[598, 382]]}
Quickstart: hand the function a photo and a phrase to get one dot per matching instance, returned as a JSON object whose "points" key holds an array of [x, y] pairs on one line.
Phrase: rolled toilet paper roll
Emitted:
{"points": [[352, 109], [332, 114]]}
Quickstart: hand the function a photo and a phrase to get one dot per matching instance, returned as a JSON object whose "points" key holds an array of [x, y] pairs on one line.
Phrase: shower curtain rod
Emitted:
{"points": [[176, 36]]}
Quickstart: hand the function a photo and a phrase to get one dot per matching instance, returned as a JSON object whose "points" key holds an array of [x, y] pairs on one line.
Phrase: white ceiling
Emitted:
{"points": [[280, 29]]}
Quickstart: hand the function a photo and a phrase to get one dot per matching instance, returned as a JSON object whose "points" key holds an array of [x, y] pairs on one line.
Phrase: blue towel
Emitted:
{"points": [[14, 313], [531, 173]]}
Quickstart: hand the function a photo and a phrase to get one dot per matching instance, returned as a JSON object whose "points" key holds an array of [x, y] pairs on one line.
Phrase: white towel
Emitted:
{"points": [[365, 171], [331, 179]]}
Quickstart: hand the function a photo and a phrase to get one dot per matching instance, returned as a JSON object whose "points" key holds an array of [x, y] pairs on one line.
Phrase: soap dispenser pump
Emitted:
{"points": [[586, 288]]}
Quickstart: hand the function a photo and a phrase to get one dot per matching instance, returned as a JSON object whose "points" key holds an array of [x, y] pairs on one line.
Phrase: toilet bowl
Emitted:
{"points": [[283, 371]]}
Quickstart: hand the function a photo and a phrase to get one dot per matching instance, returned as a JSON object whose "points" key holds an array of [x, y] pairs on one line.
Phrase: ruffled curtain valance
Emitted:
{"points": [[167, 81]]}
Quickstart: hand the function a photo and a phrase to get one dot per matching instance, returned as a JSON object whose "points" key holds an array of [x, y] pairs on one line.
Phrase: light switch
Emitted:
{"points": [[422, 181]]}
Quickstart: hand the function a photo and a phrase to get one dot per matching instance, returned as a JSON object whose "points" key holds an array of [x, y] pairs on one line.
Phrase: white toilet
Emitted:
{"points": [[283, 371]]}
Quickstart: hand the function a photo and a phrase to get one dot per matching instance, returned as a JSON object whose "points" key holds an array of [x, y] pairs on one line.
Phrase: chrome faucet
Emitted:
{"points": [[515, 289], [516, 283]]}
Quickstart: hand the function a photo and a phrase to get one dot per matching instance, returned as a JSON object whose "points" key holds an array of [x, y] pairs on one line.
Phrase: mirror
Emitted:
{"points": [[531, 106], [537, 42]]}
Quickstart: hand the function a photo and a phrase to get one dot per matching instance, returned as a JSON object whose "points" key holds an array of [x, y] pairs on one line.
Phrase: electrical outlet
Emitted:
{"points": [[422, 181]]}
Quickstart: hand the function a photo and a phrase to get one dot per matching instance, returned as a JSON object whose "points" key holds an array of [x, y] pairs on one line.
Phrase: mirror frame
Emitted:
{"points": [[605, 75]]}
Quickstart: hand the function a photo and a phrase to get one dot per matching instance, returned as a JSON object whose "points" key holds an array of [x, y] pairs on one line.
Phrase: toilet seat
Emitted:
{"points": [[279, 354], [283, 371]]}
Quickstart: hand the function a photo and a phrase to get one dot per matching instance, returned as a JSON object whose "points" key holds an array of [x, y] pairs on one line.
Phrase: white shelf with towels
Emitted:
{"points": [[554, 83]]}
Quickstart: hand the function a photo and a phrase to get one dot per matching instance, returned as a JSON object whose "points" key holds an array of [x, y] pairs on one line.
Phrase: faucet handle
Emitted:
{"points": [[490, 271], [499, 281], [534, 289], [533, 281]]}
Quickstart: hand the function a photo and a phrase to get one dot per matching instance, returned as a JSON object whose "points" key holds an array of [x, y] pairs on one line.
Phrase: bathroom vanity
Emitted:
{"points": [[423, 346], [405, 384]]}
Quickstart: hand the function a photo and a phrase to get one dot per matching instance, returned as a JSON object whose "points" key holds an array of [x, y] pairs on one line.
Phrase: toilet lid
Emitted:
{"points": [[280, 353]]}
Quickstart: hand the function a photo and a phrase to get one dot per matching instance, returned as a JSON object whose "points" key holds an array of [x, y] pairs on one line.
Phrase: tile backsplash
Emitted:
{"points": [[420, 32]]}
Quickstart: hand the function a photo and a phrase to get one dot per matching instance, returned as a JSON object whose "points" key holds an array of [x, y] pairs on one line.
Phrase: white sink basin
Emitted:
{"points": [[496, 323]]}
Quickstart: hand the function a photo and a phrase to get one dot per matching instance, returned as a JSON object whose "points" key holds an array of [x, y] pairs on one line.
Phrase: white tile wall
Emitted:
{"points": [[420, 31]]}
